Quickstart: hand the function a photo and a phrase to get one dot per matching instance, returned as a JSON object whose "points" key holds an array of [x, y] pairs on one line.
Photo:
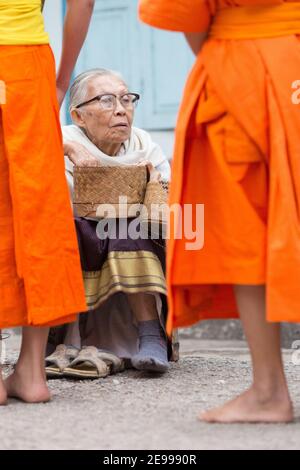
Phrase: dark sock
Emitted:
{"points": [[153, 350]]}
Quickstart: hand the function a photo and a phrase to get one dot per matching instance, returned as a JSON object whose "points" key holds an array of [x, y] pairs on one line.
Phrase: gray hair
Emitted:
{"points": [[78, 90]]}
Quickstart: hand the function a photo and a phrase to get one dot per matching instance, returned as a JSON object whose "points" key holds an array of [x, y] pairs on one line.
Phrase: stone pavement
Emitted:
{"points": [[133, 410]]}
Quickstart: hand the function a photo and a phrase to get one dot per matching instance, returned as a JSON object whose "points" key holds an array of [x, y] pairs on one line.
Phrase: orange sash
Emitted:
{"points": [[256, 22]]}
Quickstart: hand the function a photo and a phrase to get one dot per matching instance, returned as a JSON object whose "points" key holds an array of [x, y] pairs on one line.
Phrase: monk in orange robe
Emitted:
{"points": [[40, 274], [237, 152]]}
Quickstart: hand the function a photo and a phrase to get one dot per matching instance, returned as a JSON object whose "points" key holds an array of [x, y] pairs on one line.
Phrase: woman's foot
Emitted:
{"points": [[3, 394], [25, 387], [253, 406], [153, 348]]}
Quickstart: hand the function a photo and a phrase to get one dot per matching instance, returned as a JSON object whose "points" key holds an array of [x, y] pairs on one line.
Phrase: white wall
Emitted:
{"points": [[54, 24], [166, 140], [53, 15]]}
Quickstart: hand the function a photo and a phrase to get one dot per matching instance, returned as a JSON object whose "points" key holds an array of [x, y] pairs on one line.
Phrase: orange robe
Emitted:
{"points": [[40, 274], [237, 152]]}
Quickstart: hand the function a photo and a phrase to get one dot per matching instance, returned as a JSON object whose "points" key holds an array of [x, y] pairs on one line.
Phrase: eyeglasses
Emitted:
{"points": [[109, 101]]}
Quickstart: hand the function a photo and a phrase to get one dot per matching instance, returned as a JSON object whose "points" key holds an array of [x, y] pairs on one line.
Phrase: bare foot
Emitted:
{"points": [[19, 385], [249, 407], [3, 394]]}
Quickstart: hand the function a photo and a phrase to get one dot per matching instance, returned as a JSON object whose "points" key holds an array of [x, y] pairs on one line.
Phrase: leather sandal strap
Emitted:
{"points": [[105, 362], [61, 357], [89, 354], [117, 364]]}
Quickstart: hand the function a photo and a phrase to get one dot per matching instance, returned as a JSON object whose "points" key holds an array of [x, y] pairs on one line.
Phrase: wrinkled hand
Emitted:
{"points": [[154, 174], [79, 155]]}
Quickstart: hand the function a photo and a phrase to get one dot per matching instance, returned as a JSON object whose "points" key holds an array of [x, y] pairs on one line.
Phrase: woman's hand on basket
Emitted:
{"points": [[154, 174], [79, 155]]}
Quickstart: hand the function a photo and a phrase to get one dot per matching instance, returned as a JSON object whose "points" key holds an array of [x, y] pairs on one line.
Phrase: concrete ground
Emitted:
{"points": [[133, 410]]}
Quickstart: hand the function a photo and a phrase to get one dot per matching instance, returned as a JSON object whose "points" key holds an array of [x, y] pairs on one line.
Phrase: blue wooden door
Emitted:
{"points": [[154, 63]]}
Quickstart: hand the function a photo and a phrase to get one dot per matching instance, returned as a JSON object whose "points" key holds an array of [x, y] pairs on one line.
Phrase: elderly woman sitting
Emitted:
{"points": [[124, 277]]}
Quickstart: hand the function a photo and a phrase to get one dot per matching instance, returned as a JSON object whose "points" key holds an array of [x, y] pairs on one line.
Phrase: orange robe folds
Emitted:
{"points": [[237, 152], [40, 274]]}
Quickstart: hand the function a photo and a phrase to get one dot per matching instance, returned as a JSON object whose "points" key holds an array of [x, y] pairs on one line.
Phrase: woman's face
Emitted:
{"points": [[105, 126]]}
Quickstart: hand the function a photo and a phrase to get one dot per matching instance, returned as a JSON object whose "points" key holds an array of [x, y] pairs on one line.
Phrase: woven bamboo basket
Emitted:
{"points": [[97, 190], [154, 214]]}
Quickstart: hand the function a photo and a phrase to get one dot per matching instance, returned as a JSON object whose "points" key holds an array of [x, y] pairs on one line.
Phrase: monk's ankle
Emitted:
{"points": [[271, 392]]}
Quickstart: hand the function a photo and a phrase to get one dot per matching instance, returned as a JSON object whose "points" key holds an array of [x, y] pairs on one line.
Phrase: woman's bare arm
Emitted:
{"points": [[196, 41], [76, 26]]}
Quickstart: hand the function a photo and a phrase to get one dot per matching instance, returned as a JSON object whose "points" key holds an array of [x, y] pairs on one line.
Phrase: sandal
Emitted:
{"points": [[93, 363], [59, 360]]}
